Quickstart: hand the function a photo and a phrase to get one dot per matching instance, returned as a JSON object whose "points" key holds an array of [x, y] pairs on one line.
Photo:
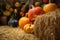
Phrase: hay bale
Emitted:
{"points": [[10, 33], [47, 26]]}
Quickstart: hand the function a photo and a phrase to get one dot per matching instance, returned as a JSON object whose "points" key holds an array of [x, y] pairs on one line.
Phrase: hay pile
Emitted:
{"points": [[47, 26], [9, 33]]}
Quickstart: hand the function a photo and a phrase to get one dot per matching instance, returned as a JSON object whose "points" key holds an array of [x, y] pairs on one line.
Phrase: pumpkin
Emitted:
{"points": [[28, 28], [37, 4], [17, 4], [50, 7], [32, 13], [23, 21], [39, 10], [6, 13], [8, 6], [11, 9]]}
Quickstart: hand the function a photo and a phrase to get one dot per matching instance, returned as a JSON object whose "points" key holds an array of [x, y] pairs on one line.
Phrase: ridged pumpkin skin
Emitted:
{"points": [[29, 28], [50, 7], [23, 21], [32, 13]]}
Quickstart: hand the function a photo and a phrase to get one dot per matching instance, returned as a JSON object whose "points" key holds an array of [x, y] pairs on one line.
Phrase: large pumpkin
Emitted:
{"points": [[50, 7], [29, 28], [32, 13], [39, 10], [23, 21]]}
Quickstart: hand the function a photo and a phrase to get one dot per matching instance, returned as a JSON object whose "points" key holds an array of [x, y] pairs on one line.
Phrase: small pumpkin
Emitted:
{"points": [[37, 4], [29, 28], [50, 7], [11, 9], [8, 6], [23, 21], [17, 4], [6, 13]]}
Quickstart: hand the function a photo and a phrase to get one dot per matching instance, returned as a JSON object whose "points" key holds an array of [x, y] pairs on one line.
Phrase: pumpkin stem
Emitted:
{"points": [[30, 25]]}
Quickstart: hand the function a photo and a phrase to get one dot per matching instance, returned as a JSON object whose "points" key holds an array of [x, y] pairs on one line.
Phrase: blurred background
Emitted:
{"points": [[11, 9]]}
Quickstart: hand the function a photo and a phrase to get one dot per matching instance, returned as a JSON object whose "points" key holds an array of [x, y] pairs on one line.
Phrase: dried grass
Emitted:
{"points": [[9, 33], [47, 26]]}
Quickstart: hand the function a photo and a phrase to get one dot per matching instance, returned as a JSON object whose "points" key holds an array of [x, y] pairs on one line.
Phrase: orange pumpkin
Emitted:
{"points": [[32, 13], [50, 7], [39, 10], [23, 21], [28, 28]]}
